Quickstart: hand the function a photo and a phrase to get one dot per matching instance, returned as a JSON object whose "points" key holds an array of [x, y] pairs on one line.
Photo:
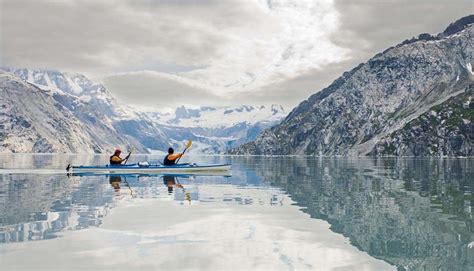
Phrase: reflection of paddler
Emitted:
{"points": [[188, 197], [115, 182], [170, 181]]}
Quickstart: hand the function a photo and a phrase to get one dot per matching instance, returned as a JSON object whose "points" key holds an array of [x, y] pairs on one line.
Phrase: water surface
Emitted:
{"points": [[273, 213]]}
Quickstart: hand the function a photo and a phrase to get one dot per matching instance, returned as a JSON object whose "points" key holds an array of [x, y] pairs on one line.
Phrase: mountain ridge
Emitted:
{"points": [[34, 121], [366, 103], [93, 107]]}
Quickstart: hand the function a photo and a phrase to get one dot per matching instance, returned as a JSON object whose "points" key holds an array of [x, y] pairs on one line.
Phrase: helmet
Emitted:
{"points": [[170, 150], [118, 151]]}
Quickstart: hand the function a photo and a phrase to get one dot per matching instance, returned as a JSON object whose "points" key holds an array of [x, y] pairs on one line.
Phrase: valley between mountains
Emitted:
{"points": [[413, 99]]}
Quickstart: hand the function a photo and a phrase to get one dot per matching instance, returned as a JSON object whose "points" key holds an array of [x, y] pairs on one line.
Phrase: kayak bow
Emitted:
{"points": [[138, 168]]}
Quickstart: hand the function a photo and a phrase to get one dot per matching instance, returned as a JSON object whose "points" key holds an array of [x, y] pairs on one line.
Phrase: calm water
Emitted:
{"points": [[280, 213]]}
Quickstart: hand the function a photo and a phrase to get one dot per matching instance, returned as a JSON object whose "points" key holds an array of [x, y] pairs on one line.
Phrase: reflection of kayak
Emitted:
{"points": [[140, 168], [224, 173]]}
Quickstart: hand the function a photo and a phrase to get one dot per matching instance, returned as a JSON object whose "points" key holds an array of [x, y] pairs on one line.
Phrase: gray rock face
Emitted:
{"points": [[106, 124], [377, 98], [446, 129], [36, 120], [33, 121]]}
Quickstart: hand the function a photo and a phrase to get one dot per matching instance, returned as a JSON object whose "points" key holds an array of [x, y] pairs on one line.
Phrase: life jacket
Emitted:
{"points": [[112, 162], [168, 162]]}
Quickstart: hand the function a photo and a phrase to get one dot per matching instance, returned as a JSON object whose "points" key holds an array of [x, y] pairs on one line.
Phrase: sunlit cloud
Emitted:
{"points": [[210, 51], [221, 47]]}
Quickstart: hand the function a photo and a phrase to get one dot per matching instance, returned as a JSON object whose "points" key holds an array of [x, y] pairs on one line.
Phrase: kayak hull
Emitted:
{"points": [[227, 173], [135, 168]]}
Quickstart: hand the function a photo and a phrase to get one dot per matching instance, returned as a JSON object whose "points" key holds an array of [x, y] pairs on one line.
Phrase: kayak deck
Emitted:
{"points": [[133, 168]]}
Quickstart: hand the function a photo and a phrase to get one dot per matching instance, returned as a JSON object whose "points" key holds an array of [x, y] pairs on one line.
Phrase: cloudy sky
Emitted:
{"points": [[164, 53]]}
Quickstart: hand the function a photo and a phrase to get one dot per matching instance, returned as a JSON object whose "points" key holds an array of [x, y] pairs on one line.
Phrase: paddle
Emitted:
{"points": [[128, 156], [187, 147], [128, 185], [186, 193]]}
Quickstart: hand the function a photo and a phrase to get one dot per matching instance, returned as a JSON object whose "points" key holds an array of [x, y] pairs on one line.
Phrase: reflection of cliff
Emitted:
{"points": [[25, 201], [23, 196], [35, 207], [412, 213]]}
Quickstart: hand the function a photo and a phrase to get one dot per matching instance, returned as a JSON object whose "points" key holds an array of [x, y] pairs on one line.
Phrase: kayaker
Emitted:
{"points": [[116, 159], [170, 158]]}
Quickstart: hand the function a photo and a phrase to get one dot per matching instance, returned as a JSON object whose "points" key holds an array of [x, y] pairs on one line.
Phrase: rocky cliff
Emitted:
{"points": [[364, 108], [104, 123], [446, 129], [38, 120]]}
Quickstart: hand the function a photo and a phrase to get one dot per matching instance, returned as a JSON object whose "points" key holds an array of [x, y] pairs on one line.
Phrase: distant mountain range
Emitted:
{"points": [[60, 113], [223, 117], [414, 99], [220, 128], [51, 111]]}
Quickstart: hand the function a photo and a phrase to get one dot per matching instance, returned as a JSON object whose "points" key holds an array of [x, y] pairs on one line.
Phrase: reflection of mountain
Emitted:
{"points": [[37, 207], [415, 214], [23, 196]]}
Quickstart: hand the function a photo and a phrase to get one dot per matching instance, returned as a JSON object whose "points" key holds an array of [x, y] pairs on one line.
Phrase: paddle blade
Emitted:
{"points": [[187, 147], [189, 144]]}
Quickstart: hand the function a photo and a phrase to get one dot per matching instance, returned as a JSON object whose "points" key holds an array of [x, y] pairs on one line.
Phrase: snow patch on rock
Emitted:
{"points": [[469, 68]]}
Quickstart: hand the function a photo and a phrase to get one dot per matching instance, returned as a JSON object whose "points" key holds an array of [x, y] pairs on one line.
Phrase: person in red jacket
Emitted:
{"points": [[116, 159]]}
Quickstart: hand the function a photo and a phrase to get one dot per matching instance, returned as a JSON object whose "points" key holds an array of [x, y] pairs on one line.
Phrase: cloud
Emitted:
{"points": [[159, 90], [291, 91], [371, 26], [101, 36], [164, 91], [172, 52], [224, 47]]}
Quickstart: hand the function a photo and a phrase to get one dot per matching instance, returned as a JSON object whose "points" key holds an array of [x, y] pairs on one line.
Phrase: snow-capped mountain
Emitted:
{"points": [[400, 102], [89, 104], [37, 120], [216, 129], [108, 123], [71, 84], [224, 117]]}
